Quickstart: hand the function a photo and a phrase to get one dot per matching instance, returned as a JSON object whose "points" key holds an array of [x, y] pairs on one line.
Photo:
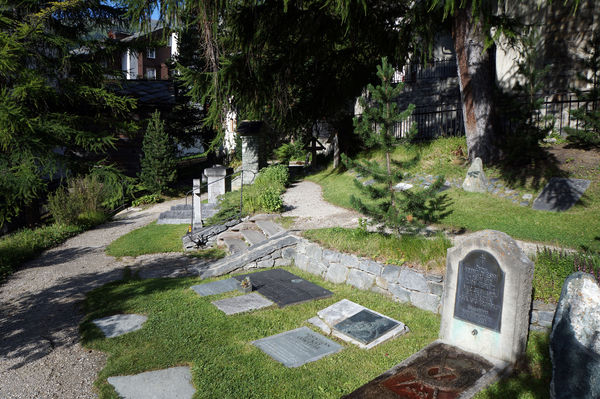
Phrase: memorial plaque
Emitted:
{"points": [[297, 347], [480, 290], [365, 326], [216, 287], [560, 194], [285, 288], [243, 303]]}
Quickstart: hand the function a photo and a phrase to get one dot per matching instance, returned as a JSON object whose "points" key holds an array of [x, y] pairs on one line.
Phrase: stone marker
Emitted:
{"points": [[216, 182], [216, 287], [475, 181], [297, 347], [285, 288], [250, 132], [240, 304], [197, 205], [402, 186], [119, 324], [575, 340], [171, 383], [485, 320], [560, 194], [356, 324]]}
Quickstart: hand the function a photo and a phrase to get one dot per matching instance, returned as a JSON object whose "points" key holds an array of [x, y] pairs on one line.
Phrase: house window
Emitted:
{"points": [[150, 73], [151, 53]]}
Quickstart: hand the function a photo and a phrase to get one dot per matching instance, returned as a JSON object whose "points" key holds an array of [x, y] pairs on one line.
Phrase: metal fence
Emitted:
{"points": [[433, 70]]}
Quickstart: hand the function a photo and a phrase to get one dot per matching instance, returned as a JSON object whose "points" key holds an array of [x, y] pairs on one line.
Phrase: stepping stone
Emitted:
{"points": [[285, 288], [171, 383], [253, 237], [243, 303], [268, 227], [402, 186], [119, 324], [235, 245], [358, 325], [297, 347], [560, 194], [216, 287], [369, 182]]}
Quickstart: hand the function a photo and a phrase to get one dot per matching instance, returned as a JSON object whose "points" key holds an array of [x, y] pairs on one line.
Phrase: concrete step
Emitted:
{"points": [[269, 228], [244, 226], [235, 245], [174, 221], [177, 214], [182, 207], [253, 237], [229, 234]]}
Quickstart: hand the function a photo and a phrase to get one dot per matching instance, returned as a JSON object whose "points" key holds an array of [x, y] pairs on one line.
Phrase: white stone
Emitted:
{"points": [[119, 324], [243, 303], [336, 273], [403, 186], [475, 181], [172, 383]]}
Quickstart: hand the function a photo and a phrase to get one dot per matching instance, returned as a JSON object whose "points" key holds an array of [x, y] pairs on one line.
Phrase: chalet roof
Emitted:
{"points": [[149, 92]]}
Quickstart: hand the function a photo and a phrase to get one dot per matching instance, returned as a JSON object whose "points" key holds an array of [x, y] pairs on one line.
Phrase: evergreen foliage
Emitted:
{"points": [[158, 162], [405, 211], [55, 110]]}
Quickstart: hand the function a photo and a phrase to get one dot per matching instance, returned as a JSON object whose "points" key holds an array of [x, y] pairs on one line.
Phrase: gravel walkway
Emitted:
{"points": [[40, 353]]}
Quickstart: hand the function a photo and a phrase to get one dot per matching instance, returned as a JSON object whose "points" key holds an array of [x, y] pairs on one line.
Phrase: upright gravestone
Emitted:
{"points": [[250, 132], [485, 321], [196, 205], [216, 182], [475, 181]]}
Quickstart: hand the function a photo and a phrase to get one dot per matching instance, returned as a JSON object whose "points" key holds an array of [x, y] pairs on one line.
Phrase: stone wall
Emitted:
{"points": [[402, 284]]}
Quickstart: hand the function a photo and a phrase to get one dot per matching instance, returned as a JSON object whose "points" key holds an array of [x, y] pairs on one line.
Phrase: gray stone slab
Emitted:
{"points": [[235, 245], [252, 236], [560, 194], [171, 383], [268, 227], [119, 324], [243, 303], [297, 347], [216, 287], [285, 288]]}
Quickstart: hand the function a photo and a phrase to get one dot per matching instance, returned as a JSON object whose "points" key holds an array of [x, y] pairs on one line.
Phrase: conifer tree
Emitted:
{"points": [[158, 162], [405, 211]]}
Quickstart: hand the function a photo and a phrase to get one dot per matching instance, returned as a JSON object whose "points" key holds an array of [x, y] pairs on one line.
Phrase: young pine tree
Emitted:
{"points": [[404, 211], [158, 162]]}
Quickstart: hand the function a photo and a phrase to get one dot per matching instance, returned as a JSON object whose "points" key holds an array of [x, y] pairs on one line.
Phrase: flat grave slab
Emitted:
{"points": [[560, 194], [242, 303], [297, 347], [356, 324], [119, 324], [216, 287], [285, 288], [171, 383]]}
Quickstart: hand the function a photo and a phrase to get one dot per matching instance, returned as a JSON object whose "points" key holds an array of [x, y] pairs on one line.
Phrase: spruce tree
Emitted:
{"points": [[404, 211], [158, 163]]}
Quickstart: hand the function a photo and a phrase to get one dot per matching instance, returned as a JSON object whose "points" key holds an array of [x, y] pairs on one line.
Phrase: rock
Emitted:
{"points": [[475, 181], [391, 273], [425, 301], [402, 186], [412, 280], [527, 197], [336, 273], [360, 279], [575, 340], [370, 266]]}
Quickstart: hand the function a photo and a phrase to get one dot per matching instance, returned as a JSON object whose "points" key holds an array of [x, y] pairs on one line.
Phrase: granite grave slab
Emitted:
{"points": [[216, 287], [356, 324], [171, 383], [285, 288], [119, 324], [560, 194], [242, 303], [297, 347]]}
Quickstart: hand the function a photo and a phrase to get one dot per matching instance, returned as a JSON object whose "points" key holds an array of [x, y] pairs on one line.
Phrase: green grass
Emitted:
{"points": [[185, 329], [26, 244], [428, 253], [577, 228], [154, 238], [210, 253]]}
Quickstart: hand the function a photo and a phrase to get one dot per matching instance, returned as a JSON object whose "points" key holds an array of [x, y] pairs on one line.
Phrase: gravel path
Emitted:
{"points": [[40, 353], [304, 200]]}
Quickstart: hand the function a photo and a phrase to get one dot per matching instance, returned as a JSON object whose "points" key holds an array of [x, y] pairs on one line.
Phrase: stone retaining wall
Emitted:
{"points": [[402, 284]]}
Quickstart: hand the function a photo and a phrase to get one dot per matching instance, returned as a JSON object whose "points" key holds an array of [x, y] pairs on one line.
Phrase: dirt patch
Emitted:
{"points": [[576, 161]]}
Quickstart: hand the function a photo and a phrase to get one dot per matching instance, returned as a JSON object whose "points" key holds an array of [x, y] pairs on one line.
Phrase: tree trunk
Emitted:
{"points": [[476, 85]]}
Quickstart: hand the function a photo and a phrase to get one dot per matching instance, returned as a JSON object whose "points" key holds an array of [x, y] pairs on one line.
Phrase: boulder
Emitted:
{"points": [[575, 340], [475, 181]]}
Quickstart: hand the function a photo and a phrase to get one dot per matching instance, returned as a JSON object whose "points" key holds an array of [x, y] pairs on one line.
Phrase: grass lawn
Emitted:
{"points": [[577, 228], [185, 329], [154, 238]]}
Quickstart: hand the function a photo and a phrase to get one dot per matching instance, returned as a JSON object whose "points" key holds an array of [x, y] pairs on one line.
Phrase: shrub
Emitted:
{"points": [[290, 151], [158, 162], [116, 187], [147, 199], [82, 196]]}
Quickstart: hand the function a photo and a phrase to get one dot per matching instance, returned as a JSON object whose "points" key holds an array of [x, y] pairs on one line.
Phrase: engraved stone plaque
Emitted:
{"points": [[297, 347], [365, 326], [480, 290], [216, 287]]}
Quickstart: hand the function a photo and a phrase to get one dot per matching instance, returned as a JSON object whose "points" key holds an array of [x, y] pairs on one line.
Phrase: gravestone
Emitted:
{"points": [[250, 132], [356, 324], [560, 194], [216, 287], [285, 288], [171, 383], [197, 205], [216, 182], [241, 304], [575, 340], [475, 181], [485, 321], [297, 347], [119, 324]]}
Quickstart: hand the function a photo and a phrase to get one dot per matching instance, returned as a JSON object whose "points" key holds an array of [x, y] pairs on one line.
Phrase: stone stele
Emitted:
{"points": [[575, 340], [475, 181]]}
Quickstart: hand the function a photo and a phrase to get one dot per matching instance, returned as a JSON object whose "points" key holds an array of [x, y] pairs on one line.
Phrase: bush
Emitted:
{"points": [[158, 162], [290, 151], [116, 187], [76, 203], [273, 176], [147, 199]]}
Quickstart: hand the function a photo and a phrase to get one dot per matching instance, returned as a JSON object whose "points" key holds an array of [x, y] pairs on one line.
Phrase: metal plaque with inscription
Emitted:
{"points": [[480, 290]]}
